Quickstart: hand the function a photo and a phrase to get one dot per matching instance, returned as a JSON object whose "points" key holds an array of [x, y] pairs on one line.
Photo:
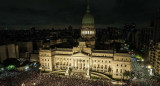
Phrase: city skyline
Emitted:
{"points": [[75, 43]]}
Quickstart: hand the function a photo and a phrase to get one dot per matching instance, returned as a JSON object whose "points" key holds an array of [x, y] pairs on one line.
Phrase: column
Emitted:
{"points": [[62, 64], [55, 65], [82, 65], [73, 63], [86, 63], [103, 67], [96, 67], [77, 63]]}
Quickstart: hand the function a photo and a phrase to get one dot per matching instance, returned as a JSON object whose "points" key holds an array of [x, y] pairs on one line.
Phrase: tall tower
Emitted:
{"points": [[88, 31]]}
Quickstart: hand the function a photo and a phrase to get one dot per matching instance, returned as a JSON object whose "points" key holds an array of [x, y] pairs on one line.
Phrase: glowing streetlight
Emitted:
{"points": [[142, 60], [149, 66]]}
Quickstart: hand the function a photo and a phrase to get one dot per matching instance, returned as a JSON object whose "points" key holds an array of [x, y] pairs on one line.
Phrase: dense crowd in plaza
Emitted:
{"points": [[142, 74], [38, 79], [35, 78], [9, 74]]}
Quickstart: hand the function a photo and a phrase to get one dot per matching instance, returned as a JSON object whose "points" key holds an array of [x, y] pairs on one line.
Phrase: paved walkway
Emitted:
{"points": [[102, 75]]}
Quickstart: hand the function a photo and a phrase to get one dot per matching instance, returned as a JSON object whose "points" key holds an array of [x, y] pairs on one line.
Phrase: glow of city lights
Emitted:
{"points": [[149, 66], [150, 72], [10, 67], [26, 68], [142, 60], [2, 69]]}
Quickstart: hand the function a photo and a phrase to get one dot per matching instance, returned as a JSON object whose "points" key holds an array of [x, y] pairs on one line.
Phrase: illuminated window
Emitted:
{"points": [[85, 32], [88, 32], [92, 32]]}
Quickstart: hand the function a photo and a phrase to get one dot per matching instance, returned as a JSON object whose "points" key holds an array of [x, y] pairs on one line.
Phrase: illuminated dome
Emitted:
{"points": [[88, 18]]}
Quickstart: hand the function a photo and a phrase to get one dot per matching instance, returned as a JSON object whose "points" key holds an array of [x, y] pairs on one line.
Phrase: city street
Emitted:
{"points": [[141, 75]]}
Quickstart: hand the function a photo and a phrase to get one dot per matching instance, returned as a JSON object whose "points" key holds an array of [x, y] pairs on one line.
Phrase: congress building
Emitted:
{"points": [[84, 58]]}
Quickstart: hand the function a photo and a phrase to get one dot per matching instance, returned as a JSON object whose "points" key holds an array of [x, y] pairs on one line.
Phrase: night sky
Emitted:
{"points": [[106, 12]]}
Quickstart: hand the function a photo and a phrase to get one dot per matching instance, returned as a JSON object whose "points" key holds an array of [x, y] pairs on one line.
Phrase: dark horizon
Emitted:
{"points": [[70, 12]]}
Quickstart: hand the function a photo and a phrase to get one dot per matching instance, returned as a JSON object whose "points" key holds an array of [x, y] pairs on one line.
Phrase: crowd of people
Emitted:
{"points": [[8, 74], [18, 79], [141, 75], [37, 79]]}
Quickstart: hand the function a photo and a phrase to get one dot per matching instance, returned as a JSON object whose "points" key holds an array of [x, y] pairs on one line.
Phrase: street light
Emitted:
{"points": [[150, 70], [149, 66]]}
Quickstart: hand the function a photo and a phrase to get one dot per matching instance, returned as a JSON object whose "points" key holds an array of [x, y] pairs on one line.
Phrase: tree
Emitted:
{"points": [[11, 61], [127, 74]]}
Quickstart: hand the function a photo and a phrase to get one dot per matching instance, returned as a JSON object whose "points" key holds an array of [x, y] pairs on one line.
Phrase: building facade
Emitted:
{"points": [[154, 57], [82, 58], [8, 51]]}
